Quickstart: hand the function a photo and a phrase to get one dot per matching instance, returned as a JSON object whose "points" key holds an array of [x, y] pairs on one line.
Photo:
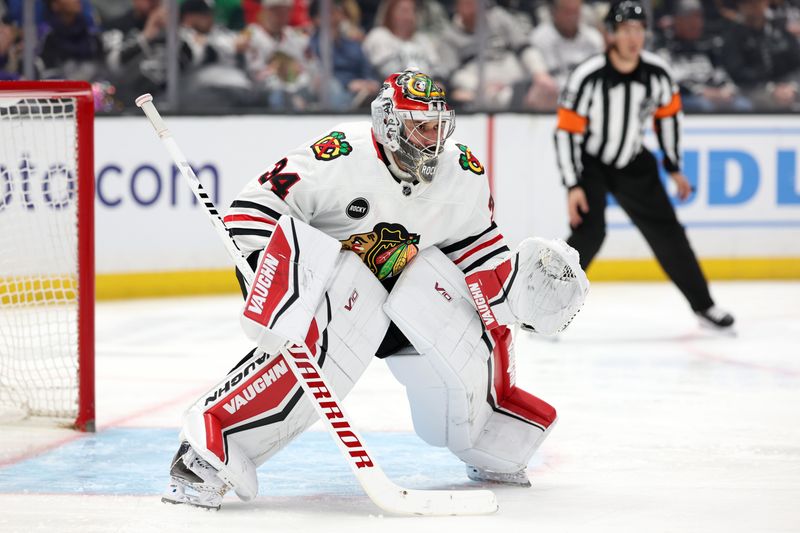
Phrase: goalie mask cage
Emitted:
{"points": [[47, 252]]}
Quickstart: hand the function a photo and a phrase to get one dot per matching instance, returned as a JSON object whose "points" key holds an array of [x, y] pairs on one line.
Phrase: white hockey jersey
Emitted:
{"points": [[340, 184]]}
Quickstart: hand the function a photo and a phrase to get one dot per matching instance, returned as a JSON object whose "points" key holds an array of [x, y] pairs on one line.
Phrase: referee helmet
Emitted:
{"points": [[623, 11]]}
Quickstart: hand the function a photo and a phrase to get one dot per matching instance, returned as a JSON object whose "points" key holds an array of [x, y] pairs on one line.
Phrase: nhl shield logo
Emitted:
{"points": [[331, 146]]}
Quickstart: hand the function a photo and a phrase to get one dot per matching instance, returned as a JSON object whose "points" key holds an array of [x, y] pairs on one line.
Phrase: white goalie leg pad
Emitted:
{"points": [[446, 376], [259, 407], [501, 447], [519, 422], [358, 324], [450, 379]]}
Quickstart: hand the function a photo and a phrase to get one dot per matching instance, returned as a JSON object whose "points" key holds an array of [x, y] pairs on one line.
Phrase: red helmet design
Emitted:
{"points": [[411, 118]]}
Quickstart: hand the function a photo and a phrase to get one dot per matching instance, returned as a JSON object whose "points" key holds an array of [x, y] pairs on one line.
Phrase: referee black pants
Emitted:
{"points": [[639, 191]]}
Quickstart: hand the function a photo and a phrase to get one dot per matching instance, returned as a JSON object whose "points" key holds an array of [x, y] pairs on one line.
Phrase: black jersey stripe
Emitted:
{"points": [[466, 242], [244, 204], [482, 260], [625, 117], [605, 122], [234, 232]]}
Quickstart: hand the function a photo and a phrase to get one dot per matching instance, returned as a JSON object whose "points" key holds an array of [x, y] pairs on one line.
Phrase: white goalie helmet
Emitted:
{"points": [[411, 118]]}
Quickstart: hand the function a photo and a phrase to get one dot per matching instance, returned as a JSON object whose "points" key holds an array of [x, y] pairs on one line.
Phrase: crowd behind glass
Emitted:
{"points": [[726, 55]]}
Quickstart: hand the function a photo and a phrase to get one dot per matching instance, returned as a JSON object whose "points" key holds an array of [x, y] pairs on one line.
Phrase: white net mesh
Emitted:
{"points": [[38, 257]]}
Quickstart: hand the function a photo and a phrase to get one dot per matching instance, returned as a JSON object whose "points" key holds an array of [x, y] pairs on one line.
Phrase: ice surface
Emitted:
{"points": [[663, 427]]}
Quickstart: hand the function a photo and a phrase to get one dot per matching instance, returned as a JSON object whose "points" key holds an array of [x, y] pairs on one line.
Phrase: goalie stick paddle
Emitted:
{"points": [[381, 490]]}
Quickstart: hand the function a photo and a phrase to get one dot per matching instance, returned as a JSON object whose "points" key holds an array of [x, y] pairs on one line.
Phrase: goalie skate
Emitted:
{"points": [[193, 481], [518, 479]]}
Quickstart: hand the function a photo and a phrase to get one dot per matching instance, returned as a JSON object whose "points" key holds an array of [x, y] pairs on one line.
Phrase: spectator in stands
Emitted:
{"points": [[562, 43], [395, 44], [136, 50], [211, 57], [592, 13], [135, 17], [229, 13], [9, 50], [252, 10], [71, 47], [276, 57], [763, 58], [108, 11], [41, 13], [370, 10], [351, 23], [509, 64], [664, 10], [298, 17], [787, 14], [354, 84], [523, 11], [727, 9], [432, 17], [696, 63]]}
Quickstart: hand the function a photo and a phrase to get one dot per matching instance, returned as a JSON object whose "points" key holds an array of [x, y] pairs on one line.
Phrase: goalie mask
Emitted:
{"points": [[411, 118]]}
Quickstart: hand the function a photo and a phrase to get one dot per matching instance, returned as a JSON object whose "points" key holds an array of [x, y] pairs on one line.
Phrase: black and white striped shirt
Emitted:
{"points": [[603, 113]]}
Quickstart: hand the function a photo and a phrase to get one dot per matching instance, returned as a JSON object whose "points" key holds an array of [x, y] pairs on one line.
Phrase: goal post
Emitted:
{"points": [[47, 252]]}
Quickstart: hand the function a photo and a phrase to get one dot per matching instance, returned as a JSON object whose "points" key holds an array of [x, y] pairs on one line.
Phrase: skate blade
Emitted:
{"points": [[497, 482], [729, 331], [190, 503]]}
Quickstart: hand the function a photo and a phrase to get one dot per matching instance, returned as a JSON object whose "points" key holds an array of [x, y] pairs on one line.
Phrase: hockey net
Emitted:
{"points": [[46, 252]]}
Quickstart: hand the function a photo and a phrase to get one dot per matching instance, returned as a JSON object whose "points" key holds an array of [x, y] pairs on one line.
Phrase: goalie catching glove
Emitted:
{"points": [[542, 285]]}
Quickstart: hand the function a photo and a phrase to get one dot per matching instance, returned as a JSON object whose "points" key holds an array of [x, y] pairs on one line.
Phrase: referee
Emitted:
{"points": [[604, 108]]}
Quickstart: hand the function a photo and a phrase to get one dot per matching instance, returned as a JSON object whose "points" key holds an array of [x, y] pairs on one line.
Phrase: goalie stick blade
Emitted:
{"points": [[380, 489], [397, 500]]}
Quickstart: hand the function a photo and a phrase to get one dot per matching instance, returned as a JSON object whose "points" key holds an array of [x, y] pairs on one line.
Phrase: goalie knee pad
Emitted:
{"points": [[259, 407], [458, 381]]}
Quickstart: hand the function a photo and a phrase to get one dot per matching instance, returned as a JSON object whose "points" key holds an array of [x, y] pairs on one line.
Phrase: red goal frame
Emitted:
{"points": [[81, 91]]}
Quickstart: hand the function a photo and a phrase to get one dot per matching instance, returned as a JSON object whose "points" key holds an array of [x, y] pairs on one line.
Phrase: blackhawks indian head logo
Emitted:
{"points": [[331, 146], [386, 250], [420, 87], [468, 161]]}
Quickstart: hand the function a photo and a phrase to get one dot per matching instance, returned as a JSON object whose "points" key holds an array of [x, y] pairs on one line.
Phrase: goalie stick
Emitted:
{"points": [[381, 490]]}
